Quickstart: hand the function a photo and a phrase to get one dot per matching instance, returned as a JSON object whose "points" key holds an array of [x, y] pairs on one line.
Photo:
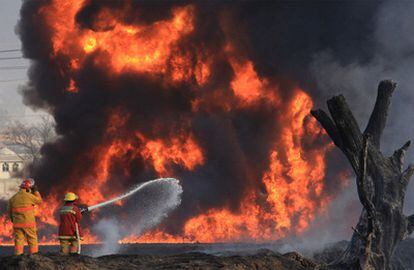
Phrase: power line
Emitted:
{"points": [[13, 67], [13, 80], [23, 116], [11, 58], [11, 50], [20, 116]]}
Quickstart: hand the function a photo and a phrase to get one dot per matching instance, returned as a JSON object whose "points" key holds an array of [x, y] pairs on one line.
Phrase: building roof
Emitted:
{"points": [[17, 149], [6, 154]]}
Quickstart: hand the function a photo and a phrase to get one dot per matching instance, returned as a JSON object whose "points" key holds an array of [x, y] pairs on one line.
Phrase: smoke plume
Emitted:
{"points": [[215, 94], [391, 57]]}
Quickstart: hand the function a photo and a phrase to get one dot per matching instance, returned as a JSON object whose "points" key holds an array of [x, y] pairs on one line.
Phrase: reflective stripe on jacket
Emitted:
{"points": [[70, 215], [21, 209]]}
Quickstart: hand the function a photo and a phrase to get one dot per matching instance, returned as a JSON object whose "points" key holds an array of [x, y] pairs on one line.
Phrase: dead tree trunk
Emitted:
{"points": [[381, 182]]}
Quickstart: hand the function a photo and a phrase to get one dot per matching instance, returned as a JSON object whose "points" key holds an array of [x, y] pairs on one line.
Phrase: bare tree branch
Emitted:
{"points": [[406, 175], [348, 129], [410, 227], [45, 129], [328, 125], [378, 119], [30, 138], [398, 156]]}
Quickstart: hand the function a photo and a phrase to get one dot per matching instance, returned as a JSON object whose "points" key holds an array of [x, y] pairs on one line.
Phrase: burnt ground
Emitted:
{"points": [[189, 256], [262, 260], [403, 258]]}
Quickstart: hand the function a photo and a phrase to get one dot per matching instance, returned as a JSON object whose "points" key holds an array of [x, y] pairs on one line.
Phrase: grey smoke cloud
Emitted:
{"points": [[331, 225], [393, 59], [110, 229]]}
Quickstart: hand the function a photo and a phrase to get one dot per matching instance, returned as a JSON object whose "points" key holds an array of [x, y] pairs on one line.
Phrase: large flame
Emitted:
{"points": [[292, 183], [148, 49]]}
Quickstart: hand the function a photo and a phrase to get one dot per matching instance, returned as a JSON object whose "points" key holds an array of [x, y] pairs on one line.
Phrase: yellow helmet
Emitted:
{"points": [[70, 196]]}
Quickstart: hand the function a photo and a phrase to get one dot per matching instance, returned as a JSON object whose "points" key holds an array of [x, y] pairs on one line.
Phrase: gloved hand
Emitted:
{"points": [[35, 189], [83, 209]]}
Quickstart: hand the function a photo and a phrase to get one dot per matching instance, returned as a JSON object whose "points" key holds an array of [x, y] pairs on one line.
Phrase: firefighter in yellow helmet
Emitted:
{"points": [[70, 232], [22, 215]]}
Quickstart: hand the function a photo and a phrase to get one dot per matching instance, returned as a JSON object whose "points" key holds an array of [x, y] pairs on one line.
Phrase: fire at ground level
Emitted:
{"points": [[252, 160], [192, 256]]}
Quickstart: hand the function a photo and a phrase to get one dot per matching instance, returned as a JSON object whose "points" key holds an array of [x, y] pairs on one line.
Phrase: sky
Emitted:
{"points": [[12, 71]]}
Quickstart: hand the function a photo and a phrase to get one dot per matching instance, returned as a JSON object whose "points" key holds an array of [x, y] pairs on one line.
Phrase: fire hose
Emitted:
{"points": [[78, 238]]}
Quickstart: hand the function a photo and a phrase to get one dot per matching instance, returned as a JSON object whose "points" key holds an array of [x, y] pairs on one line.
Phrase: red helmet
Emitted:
{"points": [[27, 183]]}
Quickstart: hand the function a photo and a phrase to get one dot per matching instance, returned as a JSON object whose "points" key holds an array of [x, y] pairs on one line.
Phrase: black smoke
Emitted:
{"points": [[281, 38]]}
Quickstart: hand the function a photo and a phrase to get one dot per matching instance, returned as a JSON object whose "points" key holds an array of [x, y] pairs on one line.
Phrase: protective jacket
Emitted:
{"points": [[70, 215], [21, 208]]}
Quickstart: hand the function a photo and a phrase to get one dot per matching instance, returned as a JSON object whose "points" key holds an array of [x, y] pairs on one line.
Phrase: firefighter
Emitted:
{"points": [[22, 214], [70, 232]]}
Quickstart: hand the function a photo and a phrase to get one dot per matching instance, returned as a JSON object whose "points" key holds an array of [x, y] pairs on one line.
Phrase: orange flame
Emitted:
{"points": [[292, 182], [180, 151], [46, 211], [145, 49]]}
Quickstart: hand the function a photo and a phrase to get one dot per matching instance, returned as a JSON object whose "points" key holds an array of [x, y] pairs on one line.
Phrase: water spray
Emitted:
{"points": [[131, 192]]}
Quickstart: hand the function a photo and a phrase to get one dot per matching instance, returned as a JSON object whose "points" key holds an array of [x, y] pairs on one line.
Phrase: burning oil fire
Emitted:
{"points": [[280, 196]]}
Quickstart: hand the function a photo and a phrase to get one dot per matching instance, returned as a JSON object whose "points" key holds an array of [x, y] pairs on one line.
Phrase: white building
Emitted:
{"points": [[11, 169]]}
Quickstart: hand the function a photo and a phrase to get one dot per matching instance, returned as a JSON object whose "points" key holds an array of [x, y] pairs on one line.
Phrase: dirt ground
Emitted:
{"points": [[189, 256]]}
